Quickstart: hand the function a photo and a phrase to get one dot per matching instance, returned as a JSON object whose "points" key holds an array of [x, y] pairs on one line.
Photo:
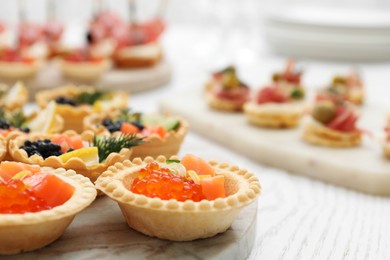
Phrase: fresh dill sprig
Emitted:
{"points": [[17, 119], [89, 97], [108, 145], [127, 116]]}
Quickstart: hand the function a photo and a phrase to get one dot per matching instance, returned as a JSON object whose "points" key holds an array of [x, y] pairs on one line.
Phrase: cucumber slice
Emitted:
{"points": [[169, 123]]}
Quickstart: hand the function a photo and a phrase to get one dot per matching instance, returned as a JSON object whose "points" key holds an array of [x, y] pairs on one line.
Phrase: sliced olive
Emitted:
{"points": [[324, 112], [276, 77]]}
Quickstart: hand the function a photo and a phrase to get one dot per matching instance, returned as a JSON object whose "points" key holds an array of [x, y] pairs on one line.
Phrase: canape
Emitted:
{"points": [[75, 103], [162, 134], [225, 92], [349, 88], [87, 154], [81, 65], [277, 106], [333, 124], [179, 200], [38, 204], [15, 65]]}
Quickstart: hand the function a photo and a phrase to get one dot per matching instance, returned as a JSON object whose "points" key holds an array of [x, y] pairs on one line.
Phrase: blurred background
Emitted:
{"points": [[255, 35]]}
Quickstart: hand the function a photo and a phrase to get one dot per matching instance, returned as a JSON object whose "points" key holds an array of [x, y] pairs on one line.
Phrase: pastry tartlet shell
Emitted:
{"points": [[18, 70], [317, 134], [30, 231], [174, 220], [153, 145], [74, 116], [19, 102], [90, 171], [84, 70], [272, 115]]}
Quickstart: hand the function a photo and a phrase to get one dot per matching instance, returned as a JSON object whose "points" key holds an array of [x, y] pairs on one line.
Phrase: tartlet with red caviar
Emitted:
{"points": [[333, 123], [225, 92], [179, 200], [81, 65], [349, 88], [74, 103], [87, 153], [278, 105], [44, 203], [162, 134]]}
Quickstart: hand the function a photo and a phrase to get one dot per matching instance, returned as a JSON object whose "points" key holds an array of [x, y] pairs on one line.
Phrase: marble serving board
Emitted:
{"points": [[361, 168], [100, 232]]}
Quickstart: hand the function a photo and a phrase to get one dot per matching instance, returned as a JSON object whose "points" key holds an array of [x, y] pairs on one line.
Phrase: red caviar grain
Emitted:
{"points": [[155, 181], [16, 198]]}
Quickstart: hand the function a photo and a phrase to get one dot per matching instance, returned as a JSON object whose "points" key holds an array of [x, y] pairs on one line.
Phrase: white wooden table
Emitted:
{"points": [[298, 218]]}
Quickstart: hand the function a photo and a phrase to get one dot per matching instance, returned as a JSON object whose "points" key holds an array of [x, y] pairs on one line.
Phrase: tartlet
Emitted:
{"points": [[172, 219], [3, 148], [332, 124], [13, 97], [276, 106], [80, 165], [289, 76], [30, 231], [154, 144], [225, 92], [16, 65], [74, 112]]}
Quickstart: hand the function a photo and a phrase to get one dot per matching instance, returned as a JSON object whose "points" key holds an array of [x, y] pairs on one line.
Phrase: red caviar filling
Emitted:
{"points": [[155, 181]]}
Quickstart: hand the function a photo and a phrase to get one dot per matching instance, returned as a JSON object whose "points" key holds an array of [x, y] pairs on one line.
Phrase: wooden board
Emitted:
{"points": [[131, 80], [101, 232], [362, 168]]}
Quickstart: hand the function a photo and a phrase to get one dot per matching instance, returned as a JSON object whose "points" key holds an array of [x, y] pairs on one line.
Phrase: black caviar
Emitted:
{"points": [[44, 148], [65, 101], [115, 126]]}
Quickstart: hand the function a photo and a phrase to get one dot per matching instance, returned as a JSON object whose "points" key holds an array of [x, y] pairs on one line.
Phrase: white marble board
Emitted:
{"points": [[101, 232], [362, 168]]}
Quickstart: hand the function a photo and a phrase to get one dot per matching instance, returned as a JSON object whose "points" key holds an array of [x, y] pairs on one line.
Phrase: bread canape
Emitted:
{"points": [[16, 65], [75, 103], [182, 200], [38, 204], [278, 105], [333, 123], [82, 65], [225, 92], [88, 154], [349, 87], [139, 46], [162, 134]]}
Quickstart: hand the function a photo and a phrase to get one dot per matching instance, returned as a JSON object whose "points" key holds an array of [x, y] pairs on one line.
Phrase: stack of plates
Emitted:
{"points": [[329, 33]]}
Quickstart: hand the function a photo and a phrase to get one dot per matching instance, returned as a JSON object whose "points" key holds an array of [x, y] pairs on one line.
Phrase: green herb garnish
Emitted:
{"points": [[172, 161], [297, 94], [108, 145], [16, 119], [89, 97], [127, 116]]}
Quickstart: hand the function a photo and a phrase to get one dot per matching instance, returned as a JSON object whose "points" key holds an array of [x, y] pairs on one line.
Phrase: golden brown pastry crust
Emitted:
{"points": [[84, 70], [30, 231], [90, 171], [14, 97], [129, 58], [274, 115], [153, 146], [222, 104], [18, 70], [74, 115], [174, 220], [316, 133]]}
